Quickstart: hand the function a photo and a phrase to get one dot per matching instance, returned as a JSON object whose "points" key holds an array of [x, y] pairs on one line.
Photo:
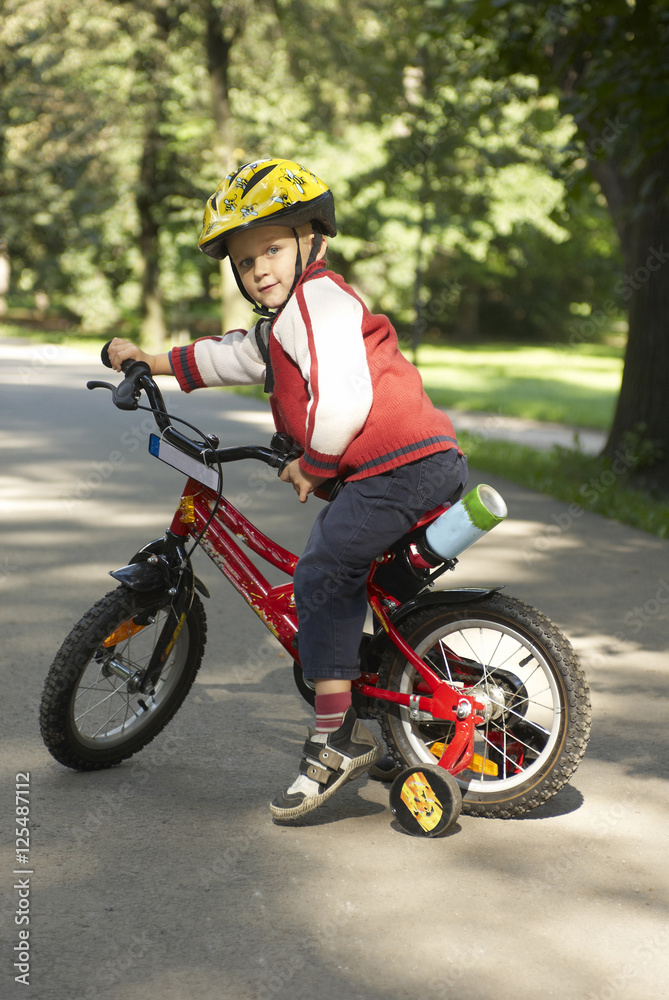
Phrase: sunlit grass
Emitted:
{"points": [[572, 385], [61, 338]]}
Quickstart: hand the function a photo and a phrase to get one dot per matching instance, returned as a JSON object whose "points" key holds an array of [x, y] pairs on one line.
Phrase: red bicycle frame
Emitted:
{"points": [[275, 606]]}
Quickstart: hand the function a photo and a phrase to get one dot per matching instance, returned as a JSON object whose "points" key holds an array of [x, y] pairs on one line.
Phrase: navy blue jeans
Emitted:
{"points": [[360, 524]]}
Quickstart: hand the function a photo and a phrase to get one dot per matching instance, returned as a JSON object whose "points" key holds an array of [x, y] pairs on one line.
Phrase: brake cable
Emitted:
{"points": [[218, 466]]}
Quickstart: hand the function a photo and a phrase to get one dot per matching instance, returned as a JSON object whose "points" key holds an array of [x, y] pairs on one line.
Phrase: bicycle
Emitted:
{"points": [[481, 699]]}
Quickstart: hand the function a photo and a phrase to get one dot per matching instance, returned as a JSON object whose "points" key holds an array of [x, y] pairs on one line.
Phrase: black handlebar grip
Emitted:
{"points": [[104, 356]]}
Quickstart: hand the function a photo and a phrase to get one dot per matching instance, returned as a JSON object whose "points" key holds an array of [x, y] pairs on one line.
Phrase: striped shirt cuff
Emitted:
{"points": [[317, 463], [182, 360]]}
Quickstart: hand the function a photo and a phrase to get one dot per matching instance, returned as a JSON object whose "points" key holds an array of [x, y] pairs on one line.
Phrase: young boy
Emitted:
{"points": [[340, 388]]}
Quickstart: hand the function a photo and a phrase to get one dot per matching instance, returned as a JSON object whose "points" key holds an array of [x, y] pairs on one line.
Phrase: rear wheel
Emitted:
{"points": [[93, 713], [537, 704]]}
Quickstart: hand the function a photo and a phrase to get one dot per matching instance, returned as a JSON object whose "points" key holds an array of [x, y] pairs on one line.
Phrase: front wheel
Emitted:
{"points": [[524, 671], [93, 712]]}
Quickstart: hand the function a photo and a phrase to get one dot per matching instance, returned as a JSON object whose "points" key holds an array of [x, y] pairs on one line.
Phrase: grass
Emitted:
{"points": [[577, 386], [61, 338], [574, 385], [559, 383], [572, 476]]}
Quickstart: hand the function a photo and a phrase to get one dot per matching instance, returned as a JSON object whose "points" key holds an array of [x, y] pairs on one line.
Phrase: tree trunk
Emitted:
{"points": [[641, 422], [221, 36], [154, 331], [468, 312], [5, 272]]}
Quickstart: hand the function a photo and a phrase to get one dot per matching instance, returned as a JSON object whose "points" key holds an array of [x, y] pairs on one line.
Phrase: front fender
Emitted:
{"points": [[144, 576], [158, 566]]}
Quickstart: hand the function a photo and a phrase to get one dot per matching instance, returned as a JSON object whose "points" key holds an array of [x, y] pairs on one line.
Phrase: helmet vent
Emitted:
{"points": [[258, 177]]}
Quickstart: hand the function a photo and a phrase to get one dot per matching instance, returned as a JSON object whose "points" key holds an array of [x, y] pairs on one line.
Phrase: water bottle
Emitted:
{"points": [[465, 522], [419, 557]]}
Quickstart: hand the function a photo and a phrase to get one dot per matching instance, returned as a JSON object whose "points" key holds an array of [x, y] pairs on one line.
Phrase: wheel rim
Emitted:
{"points": [[105, 710], [519, 687]]}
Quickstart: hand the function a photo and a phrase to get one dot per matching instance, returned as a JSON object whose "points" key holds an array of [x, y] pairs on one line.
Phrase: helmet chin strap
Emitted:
{"points": [[313, 254], [264, 311], [257, 308]]}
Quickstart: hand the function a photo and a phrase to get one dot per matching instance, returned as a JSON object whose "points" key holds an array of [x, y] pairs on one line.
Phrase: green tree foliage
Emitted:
{"points": [[65, 182], [607, 60], [120, 117], [472, 184]]}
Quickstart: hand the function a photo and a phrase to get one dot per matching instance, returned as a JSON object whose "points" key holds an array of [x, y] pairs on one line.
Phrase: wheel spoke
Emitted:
{"points": [[93, 708], [512, 659]]}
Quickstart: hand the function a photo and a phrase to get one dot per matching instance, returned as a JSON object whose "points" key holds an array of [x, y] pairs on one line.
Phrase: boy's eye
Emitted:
{"points": [[273, 250], [246, 262]]}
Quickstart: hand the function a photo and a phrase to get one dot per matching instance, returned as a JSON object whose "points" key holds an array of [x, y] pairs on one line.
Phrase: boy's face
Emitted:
{"points": [[265, 261]]}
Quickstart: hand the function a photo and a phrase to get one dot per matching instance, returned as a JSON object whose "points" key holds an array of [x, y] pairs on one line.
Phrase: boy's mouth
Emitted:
{"points": [[267, 288]]}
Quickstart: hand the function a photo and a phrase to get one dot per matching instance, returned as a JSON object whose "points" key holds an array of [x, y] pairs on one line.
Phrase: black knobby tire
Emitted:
{"points": [[536, 694], [306, 688], [93, 718]]}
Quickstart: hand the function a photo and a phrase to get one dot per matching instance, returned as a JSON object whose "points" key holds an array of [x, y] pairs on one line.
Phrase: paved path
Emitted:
{"points": [[532, 433], [165, 878]]}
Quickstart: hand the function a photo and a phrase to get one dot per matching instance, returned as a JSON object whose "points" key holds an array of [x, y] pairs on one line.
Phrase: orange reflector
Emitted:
{"points": [[187, 509], [477, 763], [124, 631]]}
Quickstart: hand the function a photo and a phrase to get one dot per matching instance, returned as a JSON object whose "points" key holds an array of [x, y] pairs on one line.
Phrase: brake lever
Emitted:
{"points": [[125, 394]]}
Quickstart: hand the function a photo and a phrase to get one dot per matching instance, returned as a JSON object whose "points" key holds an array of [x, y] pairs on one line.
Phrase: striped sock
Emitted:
{"points": [[330, 711]]}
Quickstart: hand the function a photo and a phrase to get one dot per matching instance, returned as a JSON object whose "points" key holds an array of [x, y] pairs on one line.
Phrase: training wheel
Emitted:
{"points": [[425, 800]]}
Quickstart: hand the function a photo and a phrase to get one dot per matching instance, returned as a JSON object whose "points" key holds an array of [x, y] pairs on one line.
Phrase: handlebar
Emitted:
{"points": [[126, 394]]}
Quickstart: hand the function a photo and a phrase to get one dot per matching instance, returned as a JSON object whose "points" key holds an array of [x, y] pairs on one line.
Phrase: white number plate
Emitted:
{"points": [[184, 463]]}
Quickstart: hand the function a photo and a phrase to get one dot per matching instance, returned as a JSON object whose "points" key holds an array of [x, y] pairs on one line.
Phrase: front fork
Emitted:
{"points": [[161, 568], [446, 704]]}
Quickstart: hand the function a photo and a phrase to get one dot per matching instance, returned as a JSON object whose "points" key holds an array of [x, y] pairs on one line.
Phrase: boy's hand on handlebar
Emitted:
{"points": [[302, 482], [122, 350]]}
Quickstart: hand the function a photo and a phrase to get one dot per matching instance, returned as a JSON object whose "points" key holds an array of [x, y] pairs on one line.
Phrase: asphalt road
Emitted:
{"points": [[165, 877]]}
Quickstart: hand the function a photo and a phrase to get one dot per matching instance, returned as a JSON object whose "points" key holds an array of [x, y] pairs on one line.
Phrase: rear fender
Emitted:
{"points": [[380, 640], [456, 596]]}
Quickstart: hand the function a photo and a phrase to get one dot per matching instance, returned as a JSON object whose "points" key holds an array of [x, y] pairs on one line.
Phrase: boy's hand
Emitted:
{"points": [[122, 350], [302, 482]]}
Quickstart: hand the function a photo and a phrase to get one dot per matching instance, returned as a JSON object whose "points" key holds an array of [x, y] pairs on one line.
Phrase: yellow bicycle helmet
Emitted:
{"points": [[265, 191]]}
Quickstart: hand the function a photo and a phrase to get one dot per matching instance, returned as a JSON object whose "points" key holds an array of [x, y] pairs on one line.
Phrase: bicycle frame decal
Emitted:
{"points": [[274, 605]]}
